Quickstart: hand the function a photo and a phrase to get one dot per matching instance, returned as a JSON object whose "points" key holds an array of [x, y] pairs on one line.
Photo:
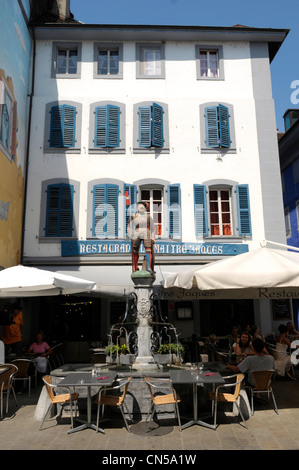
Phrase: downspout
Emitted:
{"points": [[28, 145]]}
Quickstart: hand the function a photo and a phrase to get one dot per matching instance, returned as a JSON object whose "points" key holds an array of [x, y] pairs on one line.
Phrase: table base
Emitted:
{"points": [[85, 425], [199, 423]]}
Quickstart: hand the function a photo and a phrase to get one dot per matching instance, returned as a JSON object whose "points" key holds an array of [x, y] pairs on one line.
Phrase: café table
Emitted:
{"points": [[196, 377], [86, 379]]}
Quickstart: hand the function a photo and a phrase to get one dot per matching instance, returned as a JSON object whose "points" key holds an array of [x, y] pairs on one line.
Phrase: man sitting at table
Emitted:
{"points": [[259, 361]]}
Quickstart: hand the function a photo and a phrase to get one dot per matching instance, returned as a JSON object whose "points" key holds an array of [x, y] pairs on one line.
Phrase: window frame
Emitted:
{"points": [[207, 47], [202, 216], [107, 46], [122, 126], [68, 46], [150, 45], [203, 131], [77, 136], [43, 210], [136, 124]]}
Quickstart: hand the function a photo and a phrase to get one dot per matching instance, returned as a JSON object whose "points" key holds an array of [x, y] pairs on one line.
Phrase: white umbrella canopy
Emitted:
{"points": [[23, 281], [261, 273]]}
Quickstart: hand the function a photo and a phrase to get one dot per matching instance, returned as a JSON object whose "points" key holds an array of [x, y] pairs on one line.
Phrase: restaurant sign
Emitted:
{"points": [[119, 247]]}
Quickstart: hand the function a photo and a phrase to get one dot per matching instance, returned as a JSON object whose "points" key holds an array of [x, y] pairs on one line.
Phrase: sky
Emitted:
{"points": [[282, 14]]}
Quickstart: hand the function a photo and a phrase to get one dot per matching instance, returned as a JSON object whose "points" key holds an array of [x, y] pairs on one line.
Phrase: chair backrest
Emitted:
{"points": [[47, 379], [126, 385], [262, 379], [148, 382], [22, 365], [6, 376], [238, 383]]}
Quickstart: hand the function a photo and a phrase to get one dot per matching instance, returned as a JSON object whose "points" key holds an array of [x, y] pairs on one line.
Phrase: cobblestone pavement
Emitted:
{"points": [[266, 430]]}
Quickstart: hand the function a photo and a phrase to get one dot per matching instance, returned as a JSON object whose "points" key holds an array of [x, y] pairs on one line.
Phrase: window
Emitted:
{"points": [[150, 61], [108, 60], [164, 207], [220, 212], [107, 126], [59, 216], [66, 62], [8, 121], [209, 62], [62, 127], [214, 214], [107, 119], [105, 211], [217, 128], [151, 126], [63, 120]]}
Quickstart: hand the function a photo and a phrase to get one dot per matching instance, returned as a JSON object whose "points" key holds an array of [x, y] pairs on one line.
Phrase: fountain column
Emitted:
{"points": [[143, 282]]}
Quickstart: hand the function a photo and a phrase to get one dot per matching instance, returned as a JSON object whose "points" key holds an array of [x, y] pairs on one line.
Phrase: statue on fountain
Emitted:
{"points": [[141, 230]]}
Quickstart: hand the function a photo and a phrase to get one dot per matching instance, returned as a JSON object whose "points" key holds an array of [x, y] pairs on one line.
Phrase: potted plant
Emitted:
{"points": [[111, 352], [169, 353], [125, 357]]}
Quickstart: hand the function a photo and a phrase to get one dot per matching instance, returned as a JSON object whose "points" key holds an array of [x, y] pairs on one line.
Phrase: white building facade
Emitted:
{"points": [[180, 117]]}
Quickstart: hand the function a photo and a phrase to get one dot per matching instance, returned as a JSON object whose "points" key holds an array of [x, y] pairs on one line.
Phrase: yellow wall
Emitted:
{"points": [[11, 190]]}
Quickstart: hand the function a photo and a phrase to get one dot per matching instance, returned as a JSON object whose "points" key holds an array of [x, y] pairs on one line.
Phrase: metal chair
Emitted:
{"points": [[262, 384], [228, 397], [58, 399], [114, 400], [22, 372], [6, 384], [171, 398]]}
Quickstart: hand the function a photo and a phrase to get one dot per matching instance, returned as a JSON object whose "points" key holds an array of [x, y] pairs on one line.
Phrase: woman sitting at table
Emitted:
{"points": [[283, 363], [41, 350], [243, 347]]}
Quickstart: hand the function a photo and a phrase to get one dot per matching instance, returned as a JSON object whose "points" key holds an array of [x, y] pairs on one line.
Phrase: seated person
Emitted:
{"points": [[243, 347], [258, 361], [41, 350], [283, 363]]}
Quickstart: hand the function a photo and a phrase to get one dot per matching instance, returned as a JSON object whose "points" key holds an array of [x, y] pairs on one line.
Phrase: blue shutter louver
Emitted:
{"points": [[244, 217], [63, 122], [174, 210], [145, 126], [105, 211], [224, 133], [200, 210], [107, 126], [212, 126], [130, 200], [157, 126], [217, 126], [59, 218]]}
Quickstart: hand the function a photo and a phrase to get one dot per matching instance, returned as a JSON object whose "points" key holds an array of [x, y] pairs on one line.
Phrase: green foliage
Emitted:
{"points": [[114, 350], [170, 348]]}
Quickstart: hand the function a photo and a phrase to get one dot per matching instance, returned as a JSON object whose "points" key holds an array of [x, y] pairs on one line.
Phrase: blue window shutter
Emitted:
{"points": [[113, 113], [100, 126], [174, 210], [59, 218], [107, 126], [56, 127], [105, 211], [157, 126], [243, 205], [224, 133], [130, 198], [200, 210], [145, 126], [63, 122], [212, 135]]}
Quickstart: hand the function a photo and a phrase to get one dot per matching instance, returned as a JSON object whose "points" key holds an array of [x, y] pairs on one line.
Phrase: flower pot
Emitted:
{"points": [[126, 359]]}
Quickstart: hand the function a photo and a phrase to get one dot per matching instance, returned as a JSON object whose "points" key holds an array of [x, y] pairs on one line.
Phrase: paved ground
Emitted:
{"points": [[266, 430]]}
